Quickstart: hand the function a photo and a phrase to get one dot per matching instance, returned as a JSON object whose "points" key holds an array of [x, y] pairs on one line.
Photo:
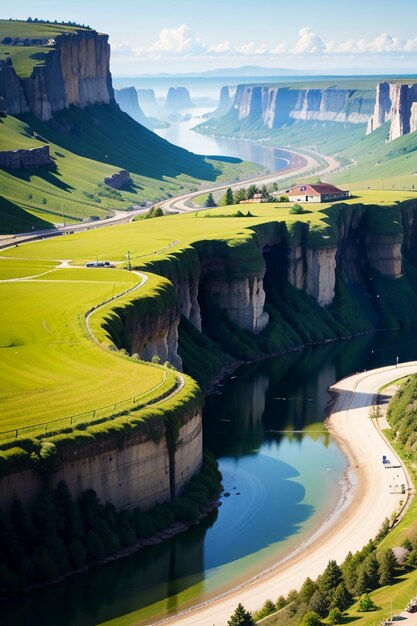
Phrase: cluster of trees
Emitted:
{"points": [[243, 194], [334, 590], [36, 20], [60, 534]]}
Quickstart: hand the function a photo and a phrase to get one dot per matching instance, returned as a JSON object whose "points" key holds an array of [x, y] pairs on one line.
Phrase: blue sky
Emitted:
{"points": [[191, 35]]}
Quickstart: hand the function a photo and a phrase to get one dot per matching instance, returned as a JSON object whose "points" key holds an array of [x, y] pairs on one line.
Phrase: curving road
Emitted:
{"points": [[300, 163], [372, 496]]}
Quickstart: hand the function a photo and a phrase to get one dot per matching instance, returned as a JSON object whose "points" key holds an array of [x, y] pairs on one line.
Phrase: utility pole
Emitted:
{"points": [[128, 264]]}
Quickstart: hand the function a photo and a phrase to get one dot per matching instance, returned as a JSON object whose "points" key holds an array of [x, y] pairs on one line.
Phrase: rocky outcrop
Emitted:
{"points": [[118, 179], [76, 72], [395, 103], [243, 300], [25, 159], [187, 290], [225, 101], [275, 106], [11, 90], [147, 101], [127, 99], [155, 335], [384, 255], [178, 98], [321, 274]]}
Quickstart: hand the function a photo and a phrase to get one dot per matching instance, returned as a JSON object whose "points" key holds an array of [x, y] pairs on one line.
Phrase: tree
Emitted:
{"points": [[239, 195], [329, 580], [69, 523], [311, 618], [251, 191], [387, 568], [366, 603], [335, 616], [241, 617], [318, 603], [341, 597], [44, 566], [267, 609], [307, 590], [77, 554], [228, 197], [210, 201], [22, 525], [371, 567], [94, 547], [280, 603]]}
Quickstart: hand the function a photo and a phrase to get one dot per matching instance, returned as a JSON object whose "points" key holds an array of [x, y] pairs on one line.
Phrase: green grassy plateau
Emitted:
{"points": [[50, 366]]}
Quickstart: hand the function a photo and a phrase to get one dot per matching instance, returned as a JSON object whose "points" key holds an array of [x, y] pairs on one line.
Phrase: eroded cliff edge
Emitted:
{"points": [[75, 73]]}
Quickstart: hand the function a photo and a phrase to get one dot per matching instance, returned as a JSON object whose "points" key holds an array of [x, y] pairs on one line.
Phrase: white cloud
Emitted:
{"points": [[308, 43], [182, 42]]}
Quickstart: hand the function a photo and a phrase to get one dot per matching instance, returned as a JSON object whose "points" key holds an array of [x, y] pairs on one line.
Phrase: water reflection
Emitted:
{"points": [[282, 473]]}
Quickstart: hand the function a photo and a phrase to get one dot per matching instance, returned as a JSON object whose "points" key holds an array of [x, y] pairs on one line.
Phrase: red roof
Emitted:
{"points": [[317, 189]]}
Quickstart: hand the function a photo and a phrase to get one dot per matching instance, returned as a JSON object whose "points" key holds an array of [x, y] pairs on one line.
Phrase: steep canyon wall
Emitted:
{"points": [[395, 103], [76, 72]]}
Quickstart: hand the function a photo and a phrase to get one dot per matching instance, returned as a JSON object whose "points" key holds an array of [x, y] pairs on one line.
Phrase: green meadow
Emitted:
{"points": [[50, 367], [101, 141]]}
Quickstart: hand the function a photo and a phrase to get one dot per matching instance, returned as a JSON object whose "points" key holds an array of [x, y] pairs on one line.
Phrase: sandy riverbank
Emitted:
{"points": [[369, 500]]}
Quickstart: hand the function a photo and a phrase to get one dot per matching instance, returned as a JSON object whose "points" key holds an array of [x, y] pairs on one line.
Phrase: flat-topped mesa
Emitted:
{"points": [[76, 73], [25, 159], [275, 106], [395, 103], [178, 98]]}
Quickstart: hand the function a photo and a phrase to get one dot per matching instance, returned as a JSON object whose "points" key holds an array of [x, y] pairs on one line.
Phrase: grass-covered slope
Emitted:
{"points": [[87, 145]]}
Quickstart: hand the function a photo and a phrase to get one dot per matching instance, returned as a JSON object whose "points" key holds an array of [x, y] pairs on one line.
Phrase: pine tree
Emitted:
{"points": [[22, 525], [329, 580], [69, 522], [228, 197], [307, 590], [241, 617], [341, 597], [318, 603], [371, 567], [210, 201], [387, 568], [77, 554]]}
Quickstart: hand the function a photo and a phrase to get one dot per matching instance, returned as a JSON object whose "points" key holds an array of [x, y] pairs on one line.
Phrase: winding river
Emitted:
{"points": [[283, 476]]}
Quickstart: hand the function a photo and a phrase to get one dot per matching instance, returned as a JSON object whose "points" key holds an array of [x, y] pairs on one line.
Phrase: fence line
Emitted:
{"points": [[96, 416]]}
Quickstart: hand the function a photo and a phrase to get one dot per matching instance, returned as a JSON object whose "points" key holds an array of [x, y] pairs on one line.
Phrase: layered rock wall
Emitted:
{"points": [[395, 103], [141, 472], [275, 106], [76, 72]]}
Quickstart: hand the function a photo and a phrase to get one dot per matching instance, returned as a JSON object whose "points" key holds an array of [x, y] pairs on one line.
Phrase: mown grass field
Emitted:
{"points": [[50, 367]]}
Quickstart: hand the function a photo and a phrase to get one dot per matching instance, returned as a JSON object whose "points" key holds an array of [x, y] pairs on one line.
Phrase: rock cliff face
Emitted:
{"points": [[25, 159], [127, 99], [243, 300], [141, 472], [155, 335], [395, 103], [178, 98], [225, 101], [76, 72], [147, 101], [275, 106]]}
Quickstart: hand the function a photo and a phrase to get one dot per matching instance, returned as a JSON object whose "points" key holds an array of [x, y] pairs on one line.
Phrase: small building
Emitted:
{"points": [[257, 197], [318, 192]]}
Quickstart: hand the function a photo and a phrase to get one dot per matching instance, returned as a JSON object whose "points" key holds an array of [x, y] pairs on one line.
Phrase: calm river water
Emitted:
{"points": [[283, 473]]}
